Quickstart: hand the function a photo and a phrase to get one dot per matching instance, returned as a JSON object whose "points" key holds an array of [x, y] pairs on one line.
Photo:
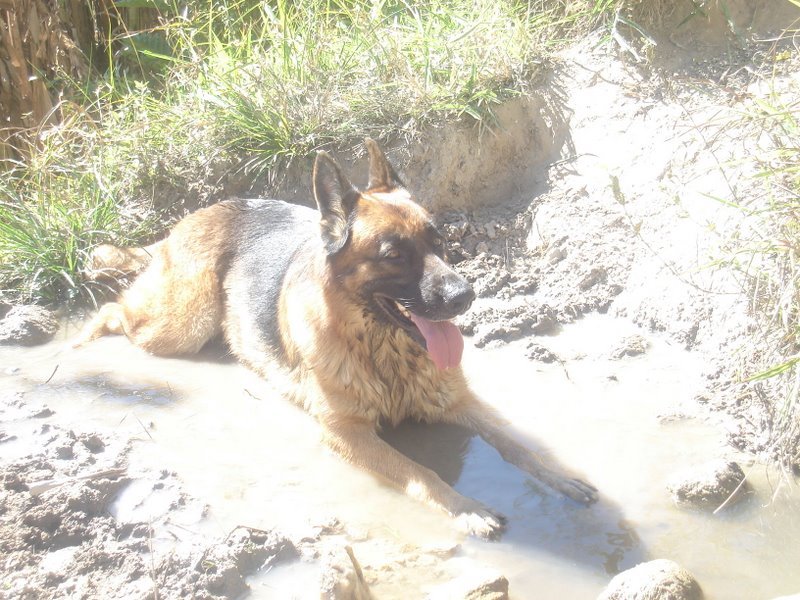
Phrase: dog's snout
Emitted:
{"points": [[462, 299], [444, 292]]}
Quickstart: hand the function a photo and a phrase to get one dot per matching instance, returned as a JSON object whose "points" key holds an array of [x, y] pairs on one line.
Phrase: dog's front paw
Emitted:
{"points": [[476, 519], [578, 490]]}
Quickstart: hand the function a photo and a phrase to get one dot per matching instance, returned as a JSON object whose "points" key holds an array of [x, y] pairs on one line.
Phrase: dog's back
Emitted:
{"points": [[267, 236], [234, 252]]}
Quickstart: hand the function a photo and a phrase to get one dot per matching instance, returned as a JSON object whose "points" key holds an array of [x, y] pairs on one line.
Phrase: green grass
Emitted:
{"points": [[777, 248], [305, 75], [53, 210]]}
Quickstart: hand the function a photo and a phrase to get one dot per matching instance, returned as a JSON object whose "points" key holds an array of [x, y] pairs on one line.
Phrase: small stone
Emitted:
{"points": [[633, 345], [556, 255], [443, 550], [27, 326], [709, 485], [654, 580], [479, 583], [224, 567], [544, 322], [93, 443], [495, 332], [592, 278], [65, 452], [540, 353]]}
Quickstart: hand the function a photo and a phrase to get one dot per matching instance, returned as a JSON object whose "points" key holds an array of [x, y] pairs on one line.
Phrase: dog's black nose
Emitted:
{"points": [[461, 300]]}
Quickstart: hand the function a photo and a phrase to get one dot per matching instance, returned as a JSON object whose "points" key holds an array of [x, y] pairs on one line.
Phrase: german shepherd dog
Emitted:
{"points": [[352, 304]]}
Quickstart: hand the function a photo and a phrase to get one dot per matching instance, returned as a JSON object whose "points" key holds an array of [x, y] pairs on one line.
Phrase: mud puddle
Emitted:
{"points": [[627, 424]]}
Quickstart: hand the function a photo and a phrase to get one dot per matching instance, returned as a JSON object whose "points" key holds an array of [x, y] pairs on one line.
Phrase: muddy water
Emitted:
{"points": [[256, 460]]}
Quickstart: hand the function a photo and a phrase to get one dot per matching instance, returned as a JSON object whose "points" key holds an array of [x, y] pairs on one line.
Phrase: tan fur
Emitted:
{"points": [[343, 366], [175, 306], [374, 373], [110, 262]]}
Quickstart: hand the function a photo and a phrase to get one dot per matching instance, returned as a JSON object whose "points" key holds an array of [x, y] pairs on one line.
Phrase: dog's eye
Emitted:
{"points": [[391, 254]]}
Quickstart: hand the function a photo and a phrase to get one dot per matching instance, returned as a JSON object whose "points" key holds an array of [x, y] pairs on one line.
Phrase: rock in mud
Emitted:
{"points": [[540, 353], [480, 583], [27, 326], [592, 278], [709, 485], [654, 580], [556, 255], [218, 571], [223, 567], [506, 325], [342, 577], [633, 345], [56, 530]]}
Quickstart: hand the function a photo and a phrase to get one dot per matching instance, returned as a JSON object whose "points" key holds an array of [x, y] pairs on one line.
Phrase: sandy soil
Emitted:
{"points": [[614, 209]]}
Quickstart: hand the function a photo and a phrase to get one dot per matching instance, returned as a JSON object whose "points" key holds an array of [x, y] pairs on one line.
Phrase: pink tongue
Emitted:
{"points": [[444, 341]]}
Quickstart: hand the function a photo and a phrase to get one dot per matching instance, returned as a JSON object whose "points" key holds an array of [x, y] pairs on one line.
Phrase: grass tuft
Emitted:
{"points": [[769, 257], [54, 209]]}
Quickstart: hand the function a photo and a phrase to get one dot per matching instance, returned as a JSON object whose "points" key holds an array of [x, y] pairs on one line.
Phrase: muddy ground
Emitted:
{"points": [[600, 193]]}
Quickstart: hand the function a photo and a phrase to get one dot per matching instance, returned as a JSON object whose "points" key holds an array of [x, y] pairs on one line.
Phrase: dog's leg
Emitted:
{"points": [[358, 442], [109, 319], [174, 307], [481, 419]]}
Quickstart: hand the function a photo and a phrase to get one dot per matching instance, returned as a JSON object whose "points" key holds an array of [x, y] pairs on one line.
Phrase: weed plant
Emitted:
{"points": [[773, 265]]}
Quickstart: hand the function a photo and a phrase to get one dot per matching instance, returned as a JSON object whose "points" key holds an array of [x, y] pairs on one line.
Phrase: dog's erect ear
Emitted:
{"points": [[336, 198], [381, 173]]}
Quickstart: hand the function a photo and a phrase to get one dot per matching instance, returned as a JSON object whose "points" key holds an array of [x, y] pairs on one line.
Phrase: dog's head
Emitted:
{"points": [[386, 253]]}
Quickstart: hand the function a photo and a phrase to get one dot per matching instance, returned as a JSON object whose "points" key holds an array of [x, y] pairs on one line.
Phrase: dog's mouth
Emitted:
{"points": [[442, 339]]}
